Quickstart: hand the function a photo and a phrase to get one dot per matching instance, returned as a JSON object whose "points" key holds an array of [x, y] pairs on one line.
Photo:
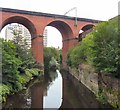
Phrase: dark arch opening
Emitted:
{"points": [[87, 27], [84, 31]]}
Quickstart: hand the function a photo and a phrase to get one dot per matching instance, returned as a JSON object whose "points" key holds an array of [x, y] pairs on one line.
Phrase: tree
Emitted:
{"points": [[10, 63], [106, 56], [50, 54], [100, 48], [23, 51]]}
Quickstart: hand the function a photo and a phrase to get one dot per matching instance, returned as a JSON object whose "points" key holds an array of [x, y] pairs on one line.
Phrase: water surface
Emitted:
{"points": [[54, 90]]}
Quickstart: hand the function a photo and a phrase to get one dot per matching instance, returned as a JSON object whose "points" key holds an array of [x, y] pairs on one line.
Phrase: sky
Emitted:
{"points": [[92, 9]]}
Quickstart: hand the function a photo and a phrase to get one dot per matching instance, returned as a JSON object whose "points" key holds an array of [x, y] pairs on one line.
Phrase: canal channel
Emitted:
{"points": [[56, 89]]}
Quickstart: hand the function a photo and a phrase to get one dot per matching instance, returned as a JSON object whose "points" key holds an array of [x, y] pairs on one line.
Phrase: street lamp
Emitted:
{"points": [[74, 8]]}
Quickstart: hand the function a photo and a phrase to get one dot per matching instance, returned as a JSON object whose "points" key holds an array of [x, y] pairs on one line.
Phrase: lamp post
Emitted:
{"points": [[74, 8]]}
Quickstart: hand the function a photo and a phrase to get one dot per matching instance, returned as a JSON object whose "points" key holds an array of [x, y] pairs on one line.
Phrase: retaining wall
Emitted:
{"points": [[109, 85]]}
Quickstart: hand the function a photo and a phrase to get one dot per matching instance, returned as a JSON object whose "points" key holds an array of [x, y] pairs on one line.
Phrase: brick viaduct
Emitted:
{"points": [[36, 22]]}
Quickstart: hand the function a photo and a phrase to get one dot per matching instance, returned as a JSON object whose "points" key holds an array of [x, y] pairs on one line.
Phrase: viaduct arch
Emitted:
{"points": [[36, 22]]}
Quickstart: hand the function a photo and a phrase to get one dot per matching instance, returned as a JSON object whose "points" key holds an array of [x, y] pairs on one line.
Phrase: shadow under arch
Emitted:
{"points": [[86, 29], [21, 20]]}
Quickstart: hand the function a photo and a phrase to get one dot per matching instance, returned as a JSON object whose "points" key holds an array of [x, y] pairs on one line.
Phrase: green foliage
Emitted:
{"points": [[72, 57], [100, 48], [79, 54], [23, 79], [10, 63], [33, 72], [106, 48], [18, 66], [4, 91], [60, 56], [50, 53], [23, 51], [82, 53], [101, 96]]}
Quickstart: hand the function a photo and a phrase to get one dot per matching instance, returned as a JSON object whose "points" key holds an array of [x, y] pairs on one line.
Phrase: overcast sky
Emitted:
{"points": [[93, 9]]}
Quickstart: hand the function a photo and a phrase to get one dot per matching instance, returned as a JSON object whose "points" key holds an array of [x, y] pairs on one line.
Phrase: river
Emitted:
{"points": [[54, 90]]}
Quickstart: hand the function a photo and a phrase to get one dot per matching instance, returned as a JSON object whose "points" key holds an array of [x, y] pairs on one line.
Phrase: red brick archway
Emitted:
{"points": [[21, 20], [36, 22], [66, 33]]}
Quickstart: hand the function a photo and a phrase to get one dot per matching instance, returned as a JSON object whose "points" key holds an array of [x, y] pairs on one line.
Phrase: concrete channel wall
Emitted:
{"points": [[109, 85]]}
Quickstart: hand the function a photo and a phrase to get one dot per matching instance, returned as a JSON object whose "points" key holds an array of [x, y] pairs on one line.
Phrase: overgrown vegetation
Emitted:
{"points": [[101, 96], [51, 58], [100, 48], [18, 66]]}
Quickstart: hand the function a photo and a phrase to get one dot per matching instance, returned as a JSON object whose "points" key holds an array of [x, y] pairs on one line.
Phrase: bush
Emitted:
{"points": [[50, 54], [100, 48], [4, 91], [18, 67], [10, 63], [106, 48], [33, 72], [81, 53]]}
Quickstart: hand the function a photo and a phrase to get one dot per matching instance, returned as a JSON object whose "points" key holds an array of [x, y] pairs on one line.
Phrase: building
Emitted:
{"points": [[45, 37], [17, 27], [23, 32]]}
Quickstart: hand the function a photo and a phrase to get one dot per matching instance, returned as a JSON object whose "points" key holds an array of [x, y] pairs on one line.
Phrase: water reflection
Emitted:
{"points": [[30, 98], [53, 94], [45, 93], [55, 91], [37, 95], [76, 95]]}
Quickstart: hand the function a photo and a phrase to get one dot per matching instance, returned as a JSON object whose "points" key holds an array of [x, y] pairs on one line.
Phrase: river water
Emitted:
{"points": [[55, 90]]}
